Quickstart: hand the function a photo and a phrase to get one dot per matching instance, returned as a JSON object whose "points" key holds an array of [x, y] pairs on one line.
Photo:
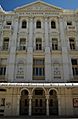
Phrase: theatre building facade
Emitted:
{"points": [[39, 61]]}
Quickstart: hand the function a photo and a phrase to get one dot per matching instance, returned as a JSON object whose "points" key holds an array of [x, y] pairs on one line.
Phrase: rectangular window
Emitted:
{"points": [[5, 43], [8, 23], [38, 44], [22, 44], [2, 70], [69, 22], [72, 43], [38, 69], [74, 67], [54, 44]]}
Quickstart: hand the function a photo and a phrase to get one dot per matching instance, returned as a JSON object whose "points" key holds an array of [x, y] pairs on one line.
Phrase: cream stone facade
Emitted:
{"points": [[39, 61]]}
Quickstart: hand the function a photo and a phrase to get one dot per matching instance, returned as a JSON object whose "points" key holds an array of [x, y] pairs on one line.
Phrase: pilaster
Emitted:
{"points": [[47, 53], [65, 57], [30, 51], [12, 55]]}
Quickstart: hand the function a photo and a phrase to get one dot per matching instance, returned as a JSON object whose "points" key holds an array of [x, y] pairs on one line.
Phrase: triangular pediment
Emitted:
{"points": [[38, 6]]}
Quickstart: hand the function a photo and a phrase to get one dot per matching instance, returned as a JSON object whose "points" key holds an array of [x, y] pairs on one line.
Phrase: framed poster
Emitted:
{"points": [[75, 102]]}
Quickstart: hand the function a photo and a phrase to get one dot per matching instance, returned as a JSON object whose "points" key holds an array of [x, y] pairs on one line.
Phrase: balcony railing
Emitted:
{"points": [[2, 48], [57, 49], [7, 27], [73, 49], [3, 78], [71, 28], [21, 48]]}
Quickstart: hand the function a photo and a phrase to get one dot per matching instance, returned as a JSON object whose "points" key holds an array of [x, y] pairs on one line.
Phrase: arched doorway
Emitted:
{"points": [[24, 103], [38, 102], [53, 103]]}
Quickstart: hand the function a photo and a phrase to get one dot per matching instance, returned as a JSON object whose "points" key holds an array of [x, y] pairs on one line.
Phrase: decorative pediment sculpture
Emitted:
{"points": [[38, 6]]}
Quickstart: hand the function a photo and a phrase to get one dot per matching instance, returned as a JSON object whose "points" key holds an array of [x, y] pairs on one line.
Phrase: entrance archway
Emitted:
{"points": [[24, 103], [53, 103], [38, 102]]}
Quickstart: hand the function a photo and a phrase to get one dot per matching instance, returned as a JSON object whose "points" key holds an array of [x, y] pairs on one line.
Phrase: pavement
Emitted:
{"points": [[38, 117]]}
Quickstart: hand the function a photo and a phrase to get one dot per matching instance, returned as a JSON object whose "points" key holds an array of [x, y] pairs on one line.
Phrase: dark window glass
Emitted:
{"points": [[36, 103], [40, 102], [51, 92], [53, 24], [69, 23], [24, 24], [38, 92], [51, 102], [74, 61], [38, 24], [8, 23], [25, 104], [2, 70]]}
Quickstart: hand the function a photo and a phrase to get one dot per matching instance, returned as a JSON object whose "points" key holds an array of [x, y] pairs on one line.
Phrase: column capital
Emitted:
{"points": [[47, 97], [30, 96]]}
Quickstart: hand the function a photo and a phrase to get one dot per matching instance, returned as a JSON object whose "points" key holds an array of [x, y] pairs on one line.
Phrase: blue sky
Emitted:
{"points": [[9, 5]]}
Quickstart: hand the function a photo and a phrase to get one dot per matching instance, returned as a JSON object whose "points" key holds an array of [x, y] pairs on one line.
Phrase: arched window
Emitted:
{"points": [[38, 24], [53, 24], [24, 24]]}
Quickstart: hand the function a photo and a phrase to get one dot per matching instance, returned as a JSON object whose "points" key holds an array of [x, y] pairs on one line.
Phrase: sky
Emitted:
{"points": [[9, 5]]}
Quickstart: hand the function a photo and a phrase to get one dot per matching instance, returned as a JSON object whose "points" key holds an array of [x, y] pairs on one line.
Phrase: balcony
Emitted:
{"points": [[21, 50], [39, 78], [56, 50], [4, 50], [3, 78], [73, 50], [7, 28], [71, 28]]}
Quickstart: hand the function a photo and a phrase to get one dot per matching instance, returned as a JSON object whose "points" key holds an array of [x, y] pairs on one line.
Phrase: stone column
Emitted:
{"points": [[18, 105], [30, 105], [47, 105]]}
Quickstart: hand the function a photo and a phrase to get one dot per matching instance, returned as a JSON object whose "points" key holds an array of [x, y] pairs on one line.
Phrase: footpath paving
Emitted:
{"points": [[38, 117]]}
